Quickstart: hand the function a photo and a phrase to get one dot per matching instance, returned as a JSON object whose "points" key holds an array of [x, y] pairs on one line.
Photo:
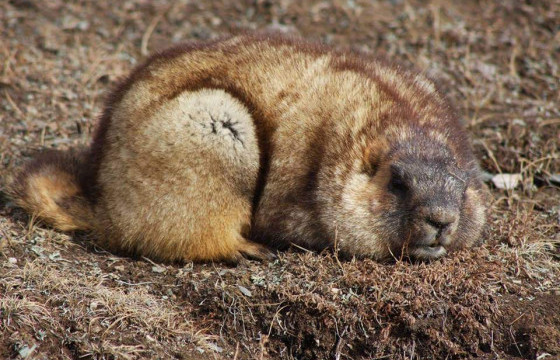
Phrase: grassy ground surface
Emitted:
{"points": [[62, 297]]}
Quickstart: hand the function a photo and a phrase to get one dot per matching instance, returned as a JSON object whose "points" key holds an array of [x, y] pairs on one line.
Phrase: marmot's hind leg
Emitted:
{"points": [[179, 185]]}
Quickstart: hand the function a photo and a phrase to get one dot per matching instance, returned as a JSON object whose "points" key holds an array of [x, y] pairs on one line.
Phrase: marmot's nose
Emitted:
{"points": [[439, 218]]}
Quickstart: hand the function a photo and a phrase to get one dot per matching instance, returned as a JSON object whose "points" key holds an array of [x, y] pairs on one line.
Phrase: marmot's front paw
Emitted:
{"points": [[250, 251]]}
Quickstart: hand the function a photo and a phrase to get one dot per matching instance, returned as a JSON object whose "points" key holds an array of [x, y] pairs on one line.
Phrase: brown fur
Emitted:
{"points": [[207, 150]]}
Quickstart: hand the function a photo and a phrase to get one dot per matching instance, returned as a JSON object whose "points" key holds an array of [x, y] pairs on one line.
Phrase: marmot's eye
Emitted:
{"points": [[397, 185]]}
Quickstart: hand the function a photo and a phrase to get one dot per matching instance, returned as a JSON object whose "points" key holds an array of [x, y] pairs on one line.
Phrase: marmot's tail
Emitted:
{"points": [[50, 188]]}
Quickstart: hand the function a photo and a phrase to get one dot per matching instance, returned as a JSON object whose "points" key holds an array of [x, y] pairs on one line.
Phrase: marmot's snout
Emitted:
{"points": [[439, 222], [430, 194], [435, 227]]}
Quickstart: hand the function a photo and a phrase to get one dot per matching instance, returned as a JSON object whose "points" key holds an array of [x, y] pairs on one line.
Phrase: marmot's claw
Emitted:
{"points": [[258, 252]]}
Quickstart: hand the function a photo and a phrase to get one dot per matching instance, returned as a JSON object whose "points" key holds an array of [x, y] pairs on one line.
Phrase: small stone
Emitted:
{"points": [[12, 260], [519, 122], [507, 181], [55, 256], [38, 250], [554, 178], [158, 269], [214, 347], [245, 291], [26, 351]]}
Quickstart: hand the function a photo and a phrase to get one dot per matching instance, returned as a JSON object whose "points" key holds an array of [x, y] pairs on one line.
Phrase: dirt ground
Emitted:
{"points": [[61, 297]]}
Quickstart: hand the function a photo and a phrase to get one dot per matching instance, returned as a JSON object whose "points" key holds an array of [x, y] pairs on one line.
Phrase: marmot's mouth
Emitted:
{"points": [[427, 252]]}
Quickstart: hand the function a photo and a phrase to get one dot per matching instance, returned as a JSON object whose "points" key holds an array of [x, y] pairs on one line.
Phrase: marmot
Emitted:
{"points": [[225, 149]]}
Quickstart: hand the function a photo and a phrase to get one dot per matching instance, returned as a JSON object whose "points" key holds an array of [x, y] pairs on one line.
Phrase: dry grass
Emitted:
{"points": [[61, 297], [68, 297]]}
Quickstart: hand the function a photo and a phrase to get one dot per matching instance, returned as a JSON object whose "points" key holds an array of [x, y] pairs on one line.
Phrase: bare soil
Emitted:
{"points": [[61, 297]]}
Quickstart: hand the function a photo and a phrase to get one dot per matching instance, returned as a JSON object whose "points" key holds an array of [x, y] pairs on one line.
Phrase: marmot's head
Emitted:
{"points": [[409, 194]]}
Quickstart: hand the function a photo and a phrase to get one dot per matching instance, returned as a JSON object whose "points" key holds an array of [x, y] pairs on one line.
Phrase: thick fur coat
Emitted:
{"points": [[221, 150]]}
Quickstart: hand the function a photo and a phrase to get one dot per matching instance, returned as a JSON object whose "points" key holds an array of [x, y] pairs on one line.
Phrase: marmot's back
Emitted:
{"points": [[279, 141]]}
